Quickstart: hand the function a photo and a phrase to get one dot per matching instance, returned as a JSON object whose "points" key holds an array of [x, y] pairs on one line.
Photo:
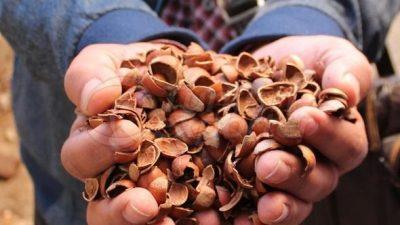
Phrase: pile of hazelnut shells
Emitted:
{"points": [[202, 121]]}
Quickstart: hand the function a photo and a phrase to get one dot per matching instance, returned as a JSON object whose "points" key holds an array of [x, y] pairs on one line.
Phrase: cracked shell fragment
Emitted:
{"points": [[277, 94], [171, 147]]}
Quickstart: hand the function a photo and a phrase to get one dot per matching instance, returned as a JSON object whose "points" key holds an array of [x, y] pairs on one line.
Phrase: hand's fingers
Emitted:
{"points": [[349, 72], [133, 207], [165, 221], [285, 171], [282, 209], [337, 60], [86, 153], [224, 196], [242, 219], [342, 142], [208, 217], [92, 81], [80, 122]]}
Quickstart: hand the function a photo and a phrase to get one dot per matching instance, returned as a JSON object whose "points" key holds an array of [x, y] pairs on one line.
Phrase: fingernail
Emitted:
{"points": [[224, 196], [134, 215], [125, 134], [284, 214], [279, 173], [350, 79], [87, 93], [307, 125]]}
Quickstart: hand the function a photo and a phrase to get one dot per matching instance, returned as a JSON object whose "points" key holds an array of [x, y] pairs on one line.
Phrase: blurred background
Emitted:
{"points": [[16, 190]]}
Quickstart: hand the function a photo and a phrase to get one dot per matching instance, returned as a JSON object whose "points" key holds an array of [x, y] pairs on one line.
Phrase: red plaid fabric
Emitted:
{"points": [[202, 17]]}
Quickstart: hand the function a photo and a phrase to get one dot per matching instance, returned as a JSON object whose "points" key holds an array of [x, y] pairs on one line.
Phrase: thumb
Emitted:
{"points": [[92, 82]]}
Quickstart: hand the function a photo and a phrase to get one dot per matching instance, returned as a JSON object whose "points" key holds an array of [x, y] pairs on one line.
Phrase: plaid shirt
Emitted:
{"points": [[201, 16]]}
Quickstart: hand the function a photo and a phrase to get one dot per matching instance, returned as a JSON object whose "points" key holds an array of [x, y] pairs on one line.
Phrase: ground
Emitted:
{"points": [[16, 198], [16, 193]]}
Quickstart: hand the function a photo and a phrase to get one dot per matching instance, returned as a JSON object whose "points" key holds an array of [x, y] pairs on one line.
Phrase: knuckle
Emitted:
{"points": [[91, 215], [331, 182], [360, 148], [93, 48], [71, 71], [356, 153], [66, 160], [338, 42], [335, 179], [63, 156], [322, 185]]}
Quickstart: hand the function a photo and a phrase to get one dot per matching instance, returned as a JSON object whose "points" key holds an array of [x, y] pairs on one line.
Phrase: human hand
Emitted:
{"points": [[343, 145], [93, 82]]}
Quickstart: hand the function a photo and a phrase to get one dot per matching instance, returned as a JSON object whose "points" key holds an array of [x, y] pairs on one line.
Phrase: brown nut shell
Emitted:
{"points": [[247, 145], [307, 99], [189, 131], [180, 115], [230, 72], [133, 172], [333, 107], [180, 212], [287, 133], [91, 189], [168, 66], [196, 76], [154, 123], [247, 105], [266, 145], [118, 187], [237, 196], [208, 117], [95, 121], [124, 157], [188, 99], [232, 127], [278, 94], [171, 147], [206, 94], [245, 64], [259, 83], [183, 166], [231, 171], [260, 125], [293, 60], [145, 100], [156, 182], [294, 73], [147, 156], [149, 83], [330, 93], [205, 198], [178, 194], [308, 157]]}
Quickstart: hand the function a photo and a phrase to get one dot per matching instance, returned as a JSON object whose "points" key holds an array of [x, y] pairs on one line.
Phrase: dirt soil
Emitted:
{"points": [[16, 193]]}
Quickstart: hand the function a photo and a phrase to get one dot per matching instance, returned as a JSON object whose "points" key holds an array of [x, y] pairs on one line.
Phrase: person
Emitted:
{"points": [[80, 44]]}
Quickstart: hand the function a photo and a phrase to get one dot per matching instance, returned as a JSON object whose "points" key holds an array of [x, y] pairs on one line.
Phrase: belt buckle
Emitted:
{"points": [[236, 11]]}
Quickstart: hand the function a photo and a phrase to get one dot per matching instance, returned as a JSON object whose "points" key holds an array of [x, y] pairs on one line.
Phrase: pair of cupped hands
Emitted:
{"points": [[93, 82]]}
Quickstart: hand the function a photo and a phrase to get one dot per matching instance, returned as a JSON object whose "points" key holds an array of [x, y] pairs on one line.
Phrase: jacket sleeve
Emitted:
{"points": [[363, 22], [48, 33]]}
